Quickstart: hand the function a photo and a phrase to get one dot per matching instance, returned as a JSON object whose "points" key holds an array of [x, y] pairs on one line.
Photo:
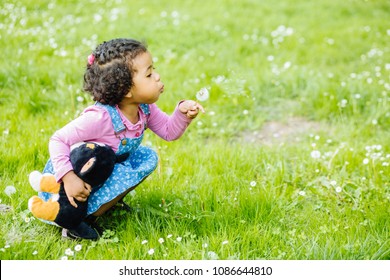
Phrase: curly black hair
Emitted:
{"points": [[109, 74]]}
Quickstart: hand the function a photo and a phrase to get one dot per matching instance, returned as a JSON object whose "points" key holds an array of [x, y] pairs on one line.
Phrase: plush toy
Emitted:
{"points": [[93, 164]]}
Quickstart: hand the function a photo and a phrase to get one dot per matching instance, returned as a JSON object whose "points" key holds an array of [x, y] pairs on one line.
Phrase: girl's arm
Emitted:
{"points": [[172, 127]]}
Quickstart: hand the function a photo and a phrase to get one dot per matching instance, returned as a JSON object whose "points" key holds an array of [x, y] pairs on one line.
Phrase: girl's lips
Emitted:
{"points": [[162, 89]]}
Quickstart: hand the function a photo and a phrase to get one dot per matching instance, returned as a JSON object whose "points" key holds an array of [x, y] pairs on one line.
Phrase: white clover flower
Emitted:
{"points": [[315, 154], [203, 94], [78, 247], [9, 190], [151, 251]]}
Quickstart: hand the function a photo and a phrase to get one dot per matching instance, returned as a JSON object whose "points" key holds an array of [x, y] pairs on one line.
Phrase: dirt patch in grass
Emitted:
{"points": [[293, 129]]}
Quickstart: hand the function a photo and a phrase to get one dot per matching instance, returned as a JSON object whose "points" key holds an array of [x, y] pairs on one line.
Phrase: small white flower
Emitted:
{"points": [[9, 190], [333, 183], [27, 219], [225, 242], [203, 94], [366, 161], [169, 236], [161, 240], [179, 238], [78, 248], [69, 252], [64, 258], [151, 251], [144, 242], [80, 99], [205, 245], [302, 193], [315, 154], [35, 252], [338, 189], [253, 184]]}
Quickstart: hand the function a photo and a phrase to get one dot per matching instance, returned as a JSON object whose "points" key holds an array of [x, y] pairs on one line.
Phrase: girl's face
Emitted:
{"points": [[147, 85]]}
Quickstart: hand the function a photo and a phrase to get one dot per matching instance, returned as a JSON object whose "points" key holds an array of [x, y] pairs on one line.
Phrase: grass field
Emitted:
{"points": [[291, 160]]}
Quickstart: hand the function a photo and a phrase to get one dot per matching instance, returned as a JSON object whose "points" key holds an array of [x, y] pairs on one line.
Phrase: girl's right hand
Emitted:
{"points": [[75, 188]]}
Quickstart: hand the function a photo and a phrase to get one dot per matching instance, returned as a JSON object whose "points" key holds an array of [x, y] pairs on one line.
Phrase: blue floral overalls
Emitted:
{"points": [[126, 175]]}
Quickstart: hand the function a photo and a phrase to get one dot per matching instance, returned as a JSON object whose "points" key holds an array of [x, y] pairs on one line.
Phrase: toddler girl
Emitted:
{"points": [[122, 80]]}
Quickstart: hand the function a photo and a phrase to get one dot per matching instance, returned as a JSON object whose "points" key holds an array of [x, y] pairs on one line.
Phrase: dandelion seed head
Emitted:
{"points": [[203, 94], [212, 255], [9, 190], [315, 154]]}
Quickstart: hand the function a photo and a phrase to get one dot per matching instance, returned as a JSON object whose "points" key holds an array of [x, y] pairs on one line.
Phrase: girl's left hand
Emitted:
{"points": [[190, 108]]}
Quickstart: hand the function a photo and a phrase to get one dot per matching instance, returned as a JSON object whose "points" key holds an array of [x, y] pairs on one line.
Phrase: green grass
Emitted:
{"points": [[229, 188]]}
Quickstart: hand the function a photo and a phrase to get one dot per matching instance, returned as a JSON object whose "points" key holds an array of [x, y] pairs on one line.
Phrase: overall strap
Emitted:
{"points": [[145, 109], [115, 117]]}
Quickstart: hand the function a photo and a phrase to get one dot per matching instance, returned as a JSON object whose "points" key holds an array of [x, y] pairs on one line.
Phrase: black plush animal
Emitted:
{"points": [[92, 163]]}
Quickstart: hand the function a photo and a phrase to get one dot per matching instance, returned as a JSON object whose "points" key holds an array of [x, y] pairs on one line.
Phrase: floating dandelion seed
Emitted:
{"points": [[203, 94]]}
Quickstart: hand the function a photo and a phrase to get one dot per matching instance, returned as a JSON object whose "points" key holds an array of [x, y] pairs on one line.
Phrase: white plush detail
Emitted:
{"points": [[35, 180], [55, 197], [30, 201]]}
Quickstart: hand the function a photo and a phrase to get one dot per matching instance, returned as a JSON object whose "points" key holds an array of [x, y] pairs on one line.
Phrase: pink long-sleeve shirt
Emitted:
{"points": [[95, 125]]}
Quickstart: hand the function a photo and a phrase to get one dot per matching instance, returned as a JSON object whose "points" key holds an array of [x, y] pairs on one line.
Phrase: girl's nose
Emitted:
{"points": [[157, 75]]}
